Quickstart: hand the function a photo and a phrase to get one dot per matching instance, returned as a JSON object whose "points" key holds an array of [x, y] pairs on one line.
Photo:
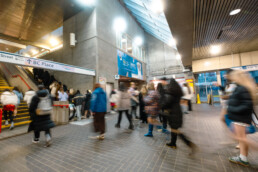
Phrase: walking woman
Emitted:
{"points": [[240, 107], [87, 112], [142, 95], [20, 98], [163, 118], [98, 106], [152, 108], [123, 105], [170, 102]]}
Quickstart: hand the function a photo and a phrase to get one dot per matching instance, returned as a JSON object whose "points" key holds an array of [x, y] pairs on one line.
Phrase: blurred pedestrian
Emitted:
{"points": [[9, 101], [40, 112], [123, 105], [87, 112], [62, 95], [170, 102], [240, 108], [78, 100], [20, 98], [53, 89], [134, 104], [28, 96], [163, 119], [186, 98], [142, 95], [152, 108], [98, 106], [113, 99]]}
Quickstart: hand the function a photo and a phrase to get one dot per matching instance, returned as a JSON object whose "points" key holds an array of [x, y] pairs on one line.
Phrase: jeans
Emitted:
{"points": [[127, 115], [37, 133], [134, 111], [10, 113], [78, 112], [189, 105]]}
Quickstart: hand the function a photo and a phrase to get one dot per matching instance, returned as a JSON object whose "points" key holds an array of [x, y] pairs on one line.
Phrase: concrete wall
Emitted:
{"points": [[224, 62], [107, 11], [160, 56]]}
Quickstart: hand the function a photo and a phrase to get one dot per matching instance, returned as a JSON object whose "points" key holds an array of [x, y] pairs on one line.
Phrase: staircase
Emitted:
{"points": [[22, 117]]}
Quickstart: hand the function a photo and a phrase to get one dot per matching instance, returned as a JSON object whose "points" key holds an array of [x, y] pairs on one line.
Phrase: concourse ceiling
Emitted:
{"points": [[26, 21]]}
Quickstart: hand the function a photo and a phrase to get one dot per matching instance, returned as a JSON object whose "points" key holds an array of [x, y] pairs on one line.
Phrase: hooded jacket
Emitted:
{"points": [[43, 122], [98, 101], [8, 98], [29, 95], [123, 101]]}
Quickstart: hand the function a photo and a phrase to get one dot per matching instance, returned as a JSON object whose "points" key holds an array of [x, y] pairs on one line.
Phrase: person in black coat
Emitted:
{"points": [[170, 102], [87, 104], [143, 93], [40, 122]]}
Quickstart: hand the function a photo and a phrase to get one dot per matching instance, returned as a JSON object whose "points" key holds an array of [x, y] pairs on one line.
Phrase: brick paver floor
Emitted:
{"points": [[125, 150]]}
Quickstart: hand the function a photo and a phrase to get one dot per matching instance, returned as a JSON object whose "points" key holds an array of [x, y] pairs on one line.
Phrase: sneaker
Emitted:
{"points": [[48, 140], [100, 137], [171, 145], [238, 160], [12, 126], [117, 125], [36, 141], [148, 135], [159, 130], [6, 122]]}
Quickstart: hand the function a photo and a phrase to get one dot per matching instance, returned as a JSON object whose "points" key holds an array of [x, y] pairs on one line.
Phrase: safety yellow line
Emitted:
{"points": [[16, 124], [15, 119]]}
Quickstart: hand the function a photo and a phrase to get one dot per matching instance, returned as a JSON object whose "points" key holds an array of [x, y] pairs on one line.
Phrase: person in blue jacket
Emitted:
{"points": [[98, 106]]}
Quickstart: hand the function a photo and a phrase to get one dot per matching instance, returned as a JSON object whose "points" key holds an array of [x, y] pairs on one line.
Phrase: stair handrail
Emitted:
{"points": [[15, 76]]}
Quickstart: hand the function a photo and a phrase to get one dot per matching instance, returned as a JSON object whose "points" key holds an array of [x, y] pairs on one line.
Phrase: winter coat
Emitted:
{"points": [[98, 101], [62, 96], [134, 93], [19, 95], [28, 96], [42, 122], [87, 101], [240, 105], [187, 94], [53, 88], [9, 98], [113, 98], [173, 112], [152, 102], [123, 101], [78, 99]]}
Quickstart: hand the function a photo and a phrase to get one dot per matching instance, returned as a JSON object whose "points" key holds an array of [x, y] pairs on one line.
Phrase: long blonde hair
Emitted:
{"points": [[144, 90], [244, 79]]}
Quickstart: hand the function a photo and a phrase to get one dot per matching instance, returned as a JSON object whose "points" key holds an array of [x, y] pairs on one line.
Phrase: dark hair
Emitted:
{"points": [[78, 92], [174, 88], [189, 90], [163, 79], [41, 87], [16, 89], [6, 90], [122, 87], [160, 88]]}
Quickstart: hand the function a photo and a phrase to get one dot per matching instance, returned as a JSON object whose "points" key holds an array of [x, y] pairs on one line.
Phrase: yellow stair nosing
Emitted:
{"points": [[16, 124], [26, 117]]}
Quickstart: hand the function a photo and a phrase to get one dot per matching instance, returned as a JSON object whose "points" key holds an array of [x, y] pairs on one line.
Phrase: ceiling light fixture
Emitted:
{"points": [[87, 2], [138, 41], [178, 56], [215, 49], [53, 41], [207, 63], [234, 12], [34, 52], [26, 55], [157, 6], [172, 42], [119, 24]]}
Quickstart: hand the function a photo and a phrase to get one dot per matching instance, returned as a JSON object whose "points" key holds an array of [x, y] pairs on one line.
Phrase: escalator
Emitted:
{"points": [[22, 117]]}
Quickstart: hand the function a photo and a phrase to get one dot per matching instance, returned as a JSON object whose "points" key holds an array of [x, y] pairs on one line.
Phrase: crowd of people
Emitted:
{"points": [[160, 106]]}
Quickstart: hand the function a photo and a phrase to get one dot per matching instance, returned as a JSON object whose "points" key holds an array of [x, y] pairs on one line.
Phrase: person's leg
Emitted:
{"points": [[78, 111], [36, 137], [172, 144], [134, 112], [5, 117], [95, 122], [240, 132], [102, 123], [149, 134], [48, 137], [11, 119], [189, 105], [165, 121], [119, 119], [129, 119]]}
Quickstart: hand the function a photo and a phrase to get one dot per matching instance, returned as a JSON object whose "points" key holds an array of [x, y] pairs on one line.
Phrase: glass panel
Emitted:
{"points": [[129, 45]]}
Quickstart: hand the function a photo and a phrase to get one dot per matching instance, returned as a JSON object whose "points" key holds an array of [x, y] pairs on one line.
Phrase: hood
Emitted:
{"points": [[42, 93], [99, 90], [30, 92]]}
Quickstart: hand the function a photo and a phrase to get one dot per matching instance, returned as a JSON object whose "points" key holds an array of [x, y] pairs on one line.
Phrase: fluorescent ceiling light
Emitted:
{"points": [[138, 41], [53, 41], [119, 24], [34, 52], [215, 49], [87, 2], [157, 6], [178, 56], [207, 63], [123, 40], [234, 12], [172, 42], [12, 44], [26, 55]]}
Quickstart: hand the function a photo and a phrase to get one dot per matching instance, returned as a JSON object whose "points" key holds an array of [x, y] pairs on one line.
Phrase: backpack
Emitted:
{"points": [[44, 106], [165, 101]]}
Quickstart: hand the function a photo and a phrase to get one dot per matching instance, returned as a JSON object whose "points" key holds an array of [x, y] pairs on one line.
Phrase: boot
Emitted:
{"points": [[12, 126], [149, 134]]}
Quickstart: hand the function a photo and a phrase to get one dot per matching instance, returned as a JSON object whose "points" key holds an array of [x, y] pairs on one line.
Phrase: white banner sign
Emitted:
{"points": [[45, 64]]}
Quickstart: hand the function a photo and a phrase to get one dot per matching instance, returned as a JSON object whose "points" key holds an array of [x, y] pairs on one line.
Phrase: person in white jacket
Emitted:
{"points": [[28, 96], [186, 98], [9, 101]]}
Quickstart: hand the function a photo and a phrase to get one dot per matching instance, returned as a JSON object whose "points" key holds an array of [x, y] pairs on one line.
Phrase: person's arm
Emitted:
{"points": [[93, 102]]}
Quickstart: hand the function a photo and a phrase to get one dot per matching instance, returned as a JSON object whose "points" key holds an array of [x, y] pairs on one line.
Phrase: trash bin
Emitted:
{"points": [[60, 113]]}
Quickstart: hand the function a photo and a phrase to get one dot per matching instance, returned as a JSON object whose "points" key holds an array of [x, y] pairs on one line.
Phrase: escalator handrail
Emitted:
{"points": [[15, 76]]}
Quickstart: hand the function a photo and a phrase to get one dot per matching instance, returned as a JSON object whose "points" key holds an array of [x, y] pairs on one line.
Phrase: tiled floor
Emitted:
{"points": [[125, 150]]}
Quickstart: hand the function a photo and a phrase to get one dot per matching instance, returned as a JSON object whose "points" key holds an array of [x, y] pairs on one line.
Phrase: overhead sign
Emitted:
{"points": [[128, 66], [117, 77], [45, 64]]}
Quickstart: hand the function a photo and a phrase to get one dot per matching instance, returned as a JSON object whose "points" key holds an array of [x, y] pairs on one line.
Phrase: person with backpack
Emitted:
{"points": [[170, 102], [28, 96], [78, 101], [9, 101], [40, 112]]}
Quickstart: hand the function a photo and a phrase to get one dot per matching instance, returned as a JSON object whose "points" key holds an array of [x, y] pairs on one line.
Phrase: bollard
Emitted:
{"points": [[198, 99], [1, 114]]}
